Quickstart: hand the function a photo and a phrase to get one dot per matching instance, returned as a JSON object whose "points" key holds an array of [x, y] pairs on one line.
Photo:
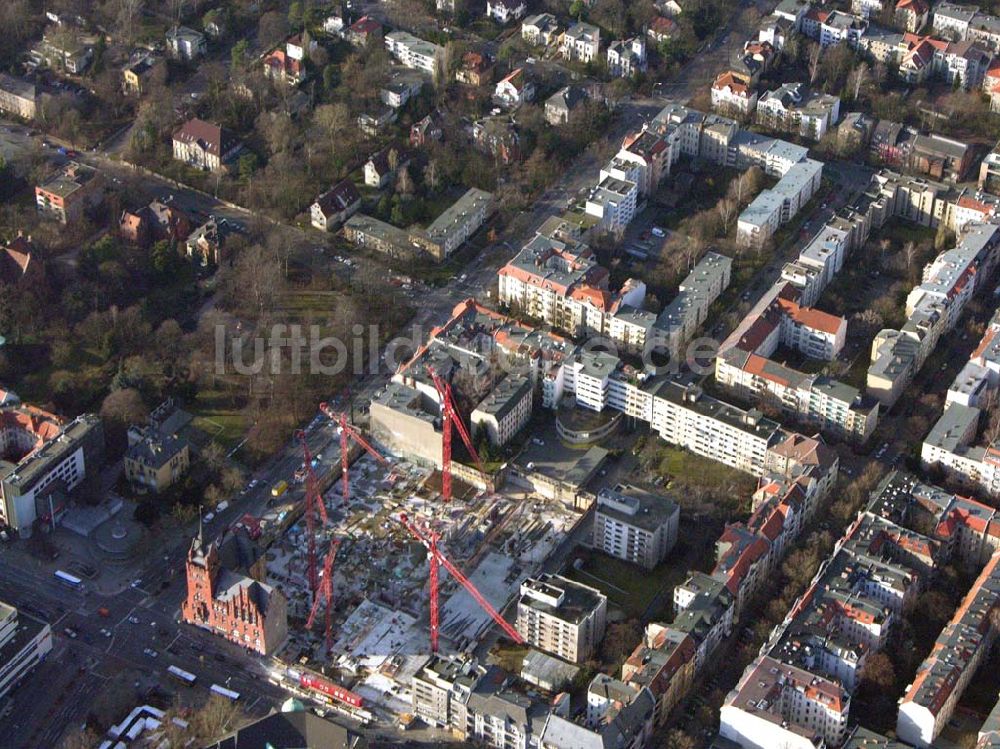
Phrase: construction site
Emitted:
{"points": [[395, 561]]}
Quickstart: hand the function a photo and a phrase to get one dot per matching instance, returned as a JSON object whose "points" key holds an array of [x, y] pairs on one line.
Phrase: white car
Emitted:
{"points": [[133, 620], [656, 231]]}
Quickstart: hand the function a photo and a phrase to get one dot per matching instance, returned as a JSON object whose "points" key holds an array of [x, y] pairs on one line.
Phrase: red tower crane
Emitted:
{"points": [[347, 433], [450, 417], [325, 591], [429, 539], [314, 507]]}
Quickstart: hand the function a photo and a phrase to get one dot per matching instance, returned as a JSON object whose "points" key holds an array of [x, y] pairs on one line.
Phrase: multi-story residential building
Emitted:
{"points": [[542, 29], [69, 192], [733, 94], [561, 617], [560, 106], [704, 609], [63, 52], [206, 245], [663, 663], [414, 52], [205, 145], [940, 158], [626, 57], [476, 69], [613, 202], [952, 20], [779, 705], [335, 206], [792, 108], [454, 225], [243, 609], [941, 679], [43, 457], [18, 97], [24, 643], [626, 725], [912, 15], [441, 689], [680, 319], [505, 11], [581, 42], [505, 411], [932, 308], [635, 525], [136, 74], [834, 27], [153, 461], [514, 89], [185, 43], [989, 172]]}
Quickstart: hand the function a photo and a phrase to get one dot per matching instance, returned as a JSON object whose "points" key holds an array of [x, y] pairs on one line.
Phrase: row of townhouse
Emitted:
{"points": [[556, 279], [798, 473], [950, 443], [480, 704], [798, 692], [966, 23], [581, 42], [910, 15], [932, 309]]}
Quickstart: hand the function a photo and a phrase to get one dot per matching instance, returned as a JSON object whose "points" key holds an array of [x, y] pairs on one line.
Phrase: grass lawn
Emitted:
{"points": [[687, 467], [217, 419], [629, 586]]}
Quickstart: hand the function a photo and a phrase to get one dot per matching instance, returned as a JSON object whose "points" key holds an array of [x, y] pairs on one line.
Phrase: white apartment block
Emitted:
{"points": [[635, 525], [541, 29], [414, 52], [613, 201], [561, 617], [626, 57], [24, 643], [777, 705], [733, 94], [581, 42], [505, 11]]}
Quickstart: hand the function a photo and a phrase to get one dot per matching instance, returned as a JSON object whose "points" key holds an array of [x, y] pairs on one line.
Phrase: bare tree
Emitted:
{"points": [[856, 79], [815, 53], [128, 11]]}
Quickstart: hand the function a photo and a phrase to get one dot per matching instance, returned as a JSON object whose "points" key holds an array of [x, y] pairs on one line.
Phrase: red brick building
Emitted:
{"points": [[242, 608]]}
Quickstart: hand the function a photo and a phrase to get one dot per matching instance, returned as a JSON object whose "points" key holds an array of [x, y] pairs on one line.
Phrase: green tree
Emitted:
{"points": [[295, 15], [247, 166], [238, 54]]}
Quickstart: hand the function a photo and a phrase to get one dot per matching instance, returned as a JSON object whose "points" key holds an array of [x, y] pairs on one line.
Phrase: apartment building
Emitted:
{"points": [[793, 108], [627, 57], [205, 145], [581, 42], [441, 689], [541, 29], [414, 52], [613, 202], [773, 207], [949, 445], [153, 461], [335, 206], [635, 525], [69, 192], [733, 94], [18, 97], [663, 663], [24, 643], [941, 679], [680, 319], [562, 617], [455, 224], [704, 608], [627, 725], [744, 365], [44, 456], [505, 11], [779, 705], [505, 411], [186, 44], [932, 308]]}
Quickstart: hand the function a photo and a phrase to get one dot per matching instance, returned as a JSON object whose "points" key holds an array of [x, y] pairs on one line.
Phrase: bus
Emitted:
{"points": [[178, 673], [280, 488], [229, 694], [69, 580]]}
